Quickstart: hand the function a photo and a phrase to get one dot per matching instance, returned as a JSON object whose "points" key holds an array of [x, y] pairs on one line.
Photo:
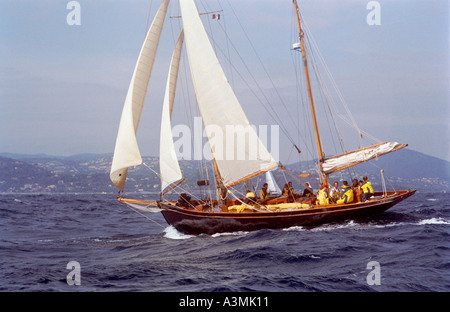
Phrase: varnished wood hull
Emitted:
{"points": [[192, 221]]}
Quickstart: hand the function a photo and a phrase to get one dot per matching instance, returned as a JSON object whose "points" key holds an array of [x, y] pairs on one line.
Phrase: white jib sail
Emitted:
{"points": [[273, 187], [349, 159], [238, 151], [168, 163], [126, 152]]}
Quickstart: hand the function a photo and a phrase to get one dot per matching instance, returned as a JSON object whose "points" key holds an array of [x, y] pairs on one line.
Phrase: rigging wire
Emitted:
{"points": [[325, 96], [177, 186], [143, 215], [191, 110], [148, 18], [269, 108], [352, 121]]}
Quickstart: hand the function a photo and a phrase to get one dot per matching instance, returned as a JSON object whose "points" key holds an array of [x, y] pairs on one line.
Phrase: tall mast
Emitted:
{"points": [[310, 96], [221, 189]]}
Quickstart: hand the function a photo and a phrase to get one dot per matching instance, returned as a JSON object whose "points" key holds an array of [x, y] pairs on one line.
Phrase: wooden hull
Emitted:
{"points": [[192, 221]]}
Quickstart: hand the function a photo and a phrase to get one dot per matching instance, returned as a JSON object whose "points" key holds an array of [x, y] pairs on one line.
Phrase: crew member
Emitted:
{"points": [[347, 194], [250, 197], [291, 192], [285, 191], [334, 192], [264, 193], [322, 197], [356, 190], [335, 189], [367, 190], [308, 191]]}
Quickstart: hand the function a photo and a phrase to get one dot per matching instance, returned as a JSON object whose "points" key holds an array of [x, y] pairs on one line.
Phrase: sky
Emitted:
{"points": [[62, 87]]}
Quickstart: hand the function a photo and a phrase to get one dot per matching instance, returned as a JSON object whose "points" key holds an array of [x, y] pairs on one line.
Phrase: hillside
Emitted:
{"points": [[90, 173], [402, 169], [409, 164], [47, 176]]}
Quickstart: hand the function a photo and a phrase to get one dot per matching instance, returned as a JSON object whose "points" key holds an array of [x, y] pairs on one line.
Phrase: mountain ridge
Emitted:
{"points": [[40, 173]]}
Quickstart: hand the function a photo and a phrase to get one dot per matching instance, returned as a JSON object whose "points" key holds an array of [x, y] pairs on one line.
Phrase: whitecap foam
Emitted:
{"points": [[172, 233], [21, 201], [295, 228], [324, 227], [434, 221], [230, 234], [45, 240], [336, 226], [382, 226]]}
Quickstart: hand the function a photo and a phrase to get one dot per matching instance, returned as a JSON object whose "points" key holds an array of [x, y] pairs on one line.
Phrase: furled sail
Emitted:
{"points": [[226, 124], [340, 162], [126, 152], [168, 163]]}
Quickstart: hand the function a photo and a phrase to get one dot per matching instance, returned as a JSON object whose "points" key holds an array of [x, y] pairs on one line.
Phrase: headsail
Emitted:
{"points": [[273, 187], [343, 161], [168, 163], [220, 109], [126, 152]]}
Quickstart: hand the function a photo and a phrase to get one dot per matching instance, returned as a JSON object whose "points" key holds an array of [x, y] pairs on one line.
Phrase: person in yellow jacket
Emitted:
{"points": [[250, 198], [367, 189], [322, 196], [285, 190], [347, 194], [264, 193]]}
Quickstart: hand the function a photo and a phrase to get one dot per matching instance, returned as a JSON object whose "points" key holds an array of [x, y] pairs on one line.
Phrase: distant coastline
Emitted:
{"points": [[89, 173]]}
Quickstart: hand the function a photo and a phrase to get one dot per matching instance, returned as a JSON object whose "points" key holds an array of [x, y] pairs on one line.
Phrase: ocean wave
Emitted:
{"points": [[172, 233], [434, 221], [238, 233], [296, 228], [119, 250], [22, 202], [352, 225], [366, 226], [328, 227]]}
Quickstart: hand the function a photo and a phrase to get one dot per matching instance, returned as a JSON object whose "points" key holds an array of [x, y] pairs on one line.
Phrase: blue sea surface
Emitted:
{"points": [[118, 249]]}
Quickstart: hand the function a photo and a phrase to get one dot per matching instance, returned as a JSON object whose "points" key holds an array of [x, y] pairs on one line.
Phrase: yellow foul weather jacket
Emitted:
{"points": [[347, 195]]}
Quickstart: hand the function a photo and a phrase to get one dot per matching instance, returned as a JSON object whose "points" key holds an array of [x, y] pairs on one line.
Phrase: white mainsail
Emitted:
{"points": [[126, 152], [168, 163], [220, 109], [343, 161]]}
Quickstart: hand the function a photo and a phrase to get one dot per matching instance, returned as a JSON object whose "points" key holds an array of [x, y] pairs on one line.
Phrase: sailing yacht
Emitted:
{"points": [[219, 107]]}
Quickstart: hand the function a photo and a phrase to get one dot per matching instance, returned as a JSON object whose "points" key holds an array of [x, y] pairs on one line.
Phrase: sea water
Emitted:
{"points": [[91, 242]]}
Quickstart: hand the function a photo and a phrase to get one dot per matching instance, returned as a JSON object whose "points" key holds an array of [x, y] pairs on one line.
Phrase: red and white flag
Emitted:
{"points": [[216, 16]]}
